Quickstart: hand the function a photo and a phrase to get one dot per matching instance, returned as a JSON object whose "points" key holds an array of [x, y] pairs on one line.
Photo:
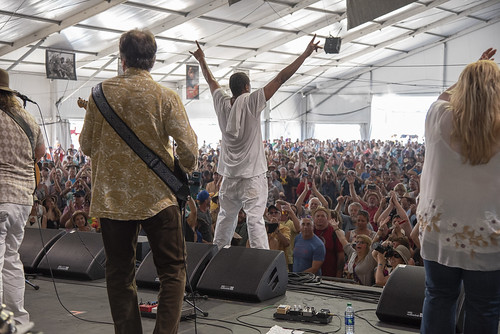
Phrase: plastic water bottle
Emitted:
{"points": [[349, 319]]}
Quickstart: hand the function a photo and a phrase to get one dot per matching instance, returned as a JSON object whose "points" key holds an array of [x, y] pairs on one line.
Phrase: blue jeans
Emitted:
{"points": [[442, 288]]}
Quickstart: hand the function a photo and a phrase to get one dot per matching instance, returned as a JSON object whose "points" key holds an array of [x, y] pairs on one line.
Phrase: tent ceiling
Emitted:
{"points": [[259, 36]]}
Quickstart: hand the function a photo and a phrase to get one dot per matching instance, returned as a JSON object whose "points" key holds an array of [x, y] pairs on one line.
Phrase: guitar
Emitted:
{"points": [[177, 172], [82, 103]]}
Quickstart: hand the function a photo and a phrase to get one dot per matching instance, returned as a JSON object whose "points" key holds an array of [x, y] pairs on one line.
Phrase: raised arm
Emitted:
{"points": [[300, 200], [487, 55], [288, 71], [316, 193], [209, 77], [339, 232]]}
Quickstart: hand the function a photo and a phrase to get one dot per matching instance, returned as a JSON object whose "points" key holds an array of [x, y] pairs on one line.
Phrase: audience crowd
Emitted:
{"points": [[342, 209]]}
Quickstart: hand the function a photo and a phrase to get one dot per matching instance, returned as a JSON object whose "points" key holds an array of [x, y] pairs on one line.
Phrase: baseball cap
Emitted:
{"points": [[203, 196]]}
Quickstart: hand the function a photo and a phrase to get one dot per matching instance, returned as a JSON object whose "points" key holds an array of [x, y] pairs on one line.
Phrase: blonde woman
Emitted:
{"points": [[360, 264], [459, 208]]}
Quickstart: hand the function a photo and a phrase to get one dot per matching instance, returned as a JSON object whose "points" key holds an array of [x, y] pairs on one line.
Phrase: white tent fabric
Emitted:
{"points": [[417, 49]]}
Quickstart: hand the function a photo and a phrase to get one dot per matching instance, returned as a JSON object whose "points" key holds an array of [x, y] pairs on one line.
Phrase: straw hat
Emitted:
{"points": [[4, 81]]}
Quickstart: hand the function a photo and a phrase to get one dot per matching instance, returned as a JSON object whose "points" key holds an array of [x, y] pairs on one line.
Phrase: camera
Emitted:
{"points": [[371, 187], [271, 227], [388, 250], [194, 183]]}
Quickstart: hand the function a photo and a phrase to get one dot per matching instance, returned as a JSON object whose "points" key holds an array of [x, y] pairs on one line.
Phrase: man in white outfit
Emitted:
{"points": [[18, 156], [242, 161]]}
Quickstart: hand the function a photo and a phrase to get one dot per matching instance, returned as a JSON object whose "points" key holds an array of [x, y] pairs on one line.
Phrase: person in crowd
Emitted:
{"points": [[203, 216], [329, 186], [309, 251], [314, 202], [78, 203], [334, 256], [19, 154], [361, 227], [37, 217], [52, 212], [397, 214], [276, 179], [273, 193], [243, 162], [288, 181], [127, 198], [290, 220], [80, 221], [371, 200], [360, 264], [388, 261], [206, 176], [191, 232], [213, 187], [458, 209], [349, 220], [344, 189], [278, 234], [241, 229]]}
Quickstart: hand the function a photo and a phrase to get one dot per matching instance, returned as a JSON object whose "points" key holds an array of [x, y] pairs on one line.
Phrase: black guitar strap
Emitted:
{"points": [[179, 188]]}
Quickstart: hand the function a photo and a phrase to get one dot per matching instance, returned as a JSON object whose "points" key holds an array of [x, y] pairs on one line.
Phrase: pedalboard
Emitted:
{"points": [[148, 309], [303, 314]]}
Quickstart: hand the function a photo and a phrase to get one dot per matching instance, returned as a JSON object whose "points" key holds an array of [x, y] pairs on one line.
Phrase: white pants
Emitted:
{"points": [[249, 194], [13, 218]]}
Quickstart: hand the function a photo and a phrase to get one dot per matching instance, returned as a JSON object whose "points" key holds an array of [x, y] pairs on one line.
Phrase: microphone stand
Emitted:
{"points": [[186, 299], [34, 286]]}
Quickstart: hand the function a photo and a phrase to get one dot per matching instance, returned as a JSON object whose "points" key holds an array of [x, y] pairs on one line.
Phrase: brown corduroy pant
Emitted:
{"points": [[166, 241]]}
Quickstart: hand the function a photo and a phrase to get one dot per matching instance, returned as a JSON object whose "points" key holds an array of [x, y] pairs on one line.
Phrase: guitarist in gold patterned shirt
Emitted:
{"points": [[127, 194]]}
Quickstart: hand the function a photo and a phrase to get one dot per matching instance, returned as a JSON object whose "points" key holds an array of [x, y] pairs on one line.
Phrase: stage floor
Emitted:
{"points": [[54, 309]]}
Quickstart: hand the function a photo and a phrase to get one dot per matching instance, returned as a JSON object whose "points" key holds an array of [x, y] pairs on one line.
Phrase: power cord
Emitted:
{"points": [[368, 321]]}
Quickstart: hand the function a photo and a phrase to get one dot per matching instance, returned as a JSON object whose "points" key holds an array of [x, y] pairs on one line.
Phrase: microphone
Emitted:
{"points": [[24, 97]]}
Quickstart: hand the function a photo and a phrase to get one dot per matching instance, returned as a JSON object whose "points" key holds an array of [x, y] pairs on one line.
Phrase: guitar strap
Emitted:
{"points": [[155, 163]]}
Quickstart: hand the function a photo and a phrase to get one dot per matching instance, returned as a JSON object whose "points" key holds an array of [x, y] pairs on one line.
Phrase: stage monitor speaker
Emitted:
{"points": [[403, 296], [197, 257], [245, 274], [78, 255], [35, 244]]}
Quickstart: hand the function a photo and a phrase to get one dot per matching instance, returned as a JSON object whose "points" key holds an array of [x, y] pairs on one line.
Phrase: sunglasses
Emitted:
{"points": [[273, 212], [396, 255]]}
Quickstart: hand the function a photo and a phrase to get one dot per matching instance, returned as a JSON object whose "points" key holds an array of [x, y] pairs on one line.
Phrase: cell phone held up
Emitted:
{"points": [[271, 227]]}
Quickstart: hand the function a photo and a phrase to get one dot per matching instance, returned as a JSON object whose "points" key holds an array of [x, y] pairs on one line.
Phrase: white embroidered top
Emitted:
{"points": [[459, 207]]}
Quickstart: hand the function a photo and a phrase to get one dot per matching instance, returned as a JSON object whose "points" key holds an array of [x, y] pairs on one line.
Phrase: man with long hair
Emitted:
{"points": [[126, 194], [17, 184], [243, 162], [459, 207]]}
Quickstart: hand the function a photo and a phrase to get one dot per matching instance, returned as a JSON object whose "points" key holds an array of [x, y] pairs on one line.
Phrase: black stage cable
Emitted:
{"points": [[368, 321], [252, 313], [57, 292], [235, 323], [183, 213], [218, 326]]}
